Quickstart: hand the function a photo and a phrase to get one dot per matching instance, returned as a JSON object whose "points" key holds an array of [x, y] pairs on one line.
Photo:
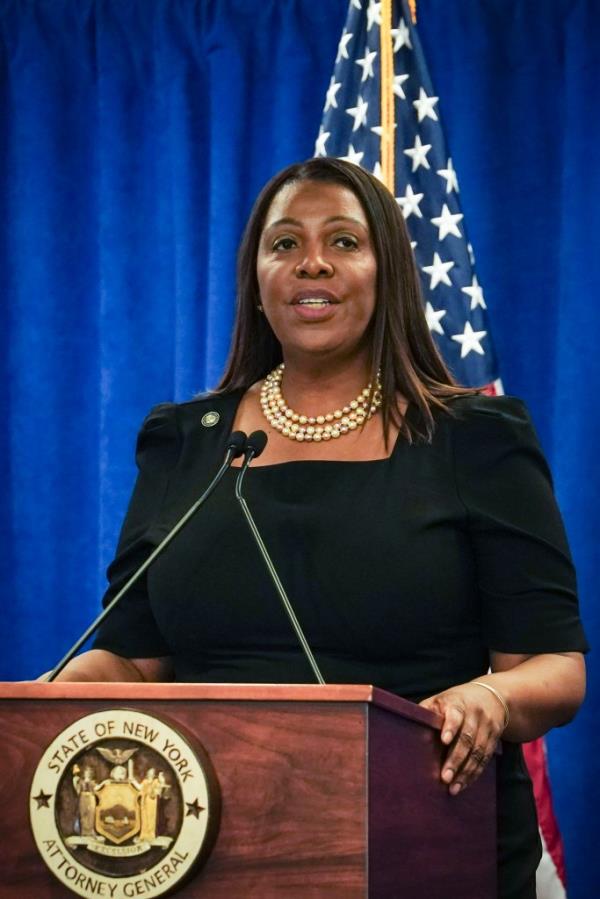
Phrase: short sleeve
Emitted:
{"points": [[130, 630], [524, 570]]}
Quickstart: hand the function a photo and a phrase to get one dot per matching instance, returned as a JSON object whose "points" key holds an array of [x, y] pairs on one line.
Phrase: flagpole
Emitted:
{"points": [[388, 162]]}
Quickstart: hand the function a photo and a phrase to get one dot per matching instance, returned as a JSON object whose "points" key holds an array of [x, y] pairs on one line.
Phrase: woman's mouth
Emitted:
{"points": [[314, 310], [314, 299], [316, 303]]}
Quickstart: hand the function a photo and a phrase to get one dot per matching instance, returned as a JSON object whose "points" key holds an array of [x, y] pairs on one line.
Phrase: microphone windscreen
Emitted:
{"points": [[237, 443], [257, 442]]}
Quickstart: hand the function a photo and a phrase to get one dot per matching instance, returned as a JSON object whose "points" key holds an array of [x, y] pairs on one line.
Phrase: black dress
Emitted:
{"points": [[404, 572]]}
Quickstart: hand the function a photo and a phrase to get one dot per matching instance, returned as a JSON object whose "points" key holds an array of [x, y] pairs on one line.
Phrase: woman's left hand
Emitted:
{"points": [[473, 721]]}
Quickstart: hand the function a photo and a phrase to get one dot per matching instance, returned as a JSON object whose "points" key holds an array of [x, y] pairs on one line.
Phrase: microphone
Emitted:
{"points": [[255, 444], [235, 447]]}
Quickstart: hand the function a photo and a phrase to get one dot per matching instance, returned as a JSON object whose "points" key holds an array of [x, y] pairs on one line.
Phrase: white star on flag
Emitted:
{"points": [[476, 294], [470, 340], [410, 202], [447, 223], [398, 82], [401, 36], [320, 149], [354, 156], [373, 14], [366, 64], [424, 106], [418, 154], [433, 318], [343, 46], [450, 175], [378, 171], [356, 4], [359, 113], [438, 271], [330, 98]]}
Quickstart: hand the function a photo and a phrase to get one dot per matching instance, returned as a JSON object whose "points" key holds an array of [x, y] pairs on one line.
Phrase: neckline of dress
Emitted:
{"points": [[272, 465], [233, 400]]}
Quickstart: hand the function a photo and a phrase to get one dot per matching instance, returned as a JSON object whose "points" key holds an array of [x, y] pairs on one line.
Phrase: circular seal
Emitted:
{"points": [[122, 805], [210, 419]]}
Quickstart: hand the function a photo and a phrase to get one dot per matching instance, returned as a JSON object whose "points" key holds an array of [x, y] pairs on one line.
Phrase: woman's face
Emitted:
{"points": [[317, 271]]}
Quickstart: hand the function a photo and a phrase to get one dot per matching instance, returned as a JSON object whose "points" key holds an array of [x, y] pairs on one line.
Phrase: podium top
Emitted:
{"points": [[357, 693]]}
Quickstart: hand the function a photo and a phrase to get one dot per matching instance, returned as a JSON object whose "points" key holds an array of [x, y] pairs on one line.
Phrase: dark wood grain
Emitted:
{"points": [[297, 766], [424, 843], [286, 827]]}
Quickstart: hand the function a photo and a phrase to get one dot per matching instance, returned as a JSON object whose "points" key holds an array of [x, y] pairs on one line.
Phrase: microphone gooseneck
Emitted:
{"points": [[255, 445], [235, 446]]}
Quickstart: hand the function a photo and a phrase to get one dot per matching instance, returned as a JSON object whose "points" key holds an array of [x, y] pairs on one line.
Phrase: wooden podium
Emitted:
{"points": [[327, 791]]}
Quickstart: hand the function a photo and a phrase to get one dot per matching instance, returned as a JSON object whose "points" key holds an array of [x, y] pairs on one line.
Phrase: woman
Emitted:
{"points": [[412, 522]]}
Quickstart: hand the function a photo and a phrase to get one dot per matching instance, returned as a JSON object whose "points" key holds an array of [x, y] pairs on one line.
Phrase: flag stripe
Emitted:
{"points": [[537, 765]]}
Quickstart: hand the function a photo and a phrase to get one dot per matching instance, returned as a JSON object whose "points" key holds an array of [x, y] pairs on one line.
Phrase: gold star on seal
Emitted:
{"points": [[194, 808], [43, 799]]}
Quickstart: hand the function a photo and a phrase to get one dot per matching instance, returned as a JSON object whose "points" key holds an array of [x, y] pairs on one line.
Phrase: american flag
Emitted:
{"points": [[426, 187]]}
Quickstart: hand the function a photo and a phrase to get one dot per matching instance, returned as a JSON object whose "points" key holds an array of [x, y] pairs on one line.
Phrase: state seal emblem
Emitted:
{"points": [[123, 805]]}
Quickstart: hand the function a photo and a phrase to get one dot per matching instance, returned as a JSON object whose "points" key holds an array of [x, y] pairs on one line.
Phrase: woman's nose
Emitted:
{"points": [[314, 265]]}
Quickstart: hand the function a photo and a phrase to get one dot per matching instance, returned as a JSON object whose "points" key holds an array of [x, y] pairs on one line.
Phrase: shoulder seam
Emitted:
{"points": [[207, 398]]}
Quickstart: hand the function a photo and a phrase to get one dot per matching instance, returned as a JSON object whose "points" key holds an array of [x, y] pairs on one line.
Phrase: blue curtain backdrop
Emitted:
{"points": [[134, 135]]}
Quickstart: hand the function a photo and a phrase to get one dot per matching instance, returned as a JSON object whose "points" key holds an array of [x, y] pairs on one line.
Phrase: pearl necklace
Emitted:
{"points": [[315, 427]]}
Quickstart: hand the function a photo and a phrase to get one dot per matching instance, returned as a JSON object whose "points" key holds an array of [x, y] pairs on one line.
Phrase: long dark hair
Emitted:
{"points": [[401, 344]]}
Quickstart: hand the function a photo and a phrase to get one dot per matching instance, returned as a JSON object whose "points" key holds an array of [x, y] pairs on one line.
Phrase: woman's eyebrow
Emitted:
{"points": [[286, 220]]}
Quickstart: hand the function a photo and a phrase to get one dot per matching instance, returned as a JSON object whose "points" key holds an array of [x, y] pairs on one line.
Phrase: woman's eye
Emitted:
{"points": [[284, 243], [347, 242]]}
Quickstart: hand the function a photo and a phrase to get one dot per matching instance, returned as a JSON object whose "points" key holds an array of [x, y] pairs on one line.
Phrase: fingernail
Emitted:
{"points": [[447, 775], [447, 736], [455, 788]]}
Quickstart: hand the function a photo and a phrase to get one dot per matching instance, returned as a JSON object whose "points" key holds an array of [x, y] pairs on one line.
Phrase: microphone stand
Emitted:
{"points": [[251, 453]]}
